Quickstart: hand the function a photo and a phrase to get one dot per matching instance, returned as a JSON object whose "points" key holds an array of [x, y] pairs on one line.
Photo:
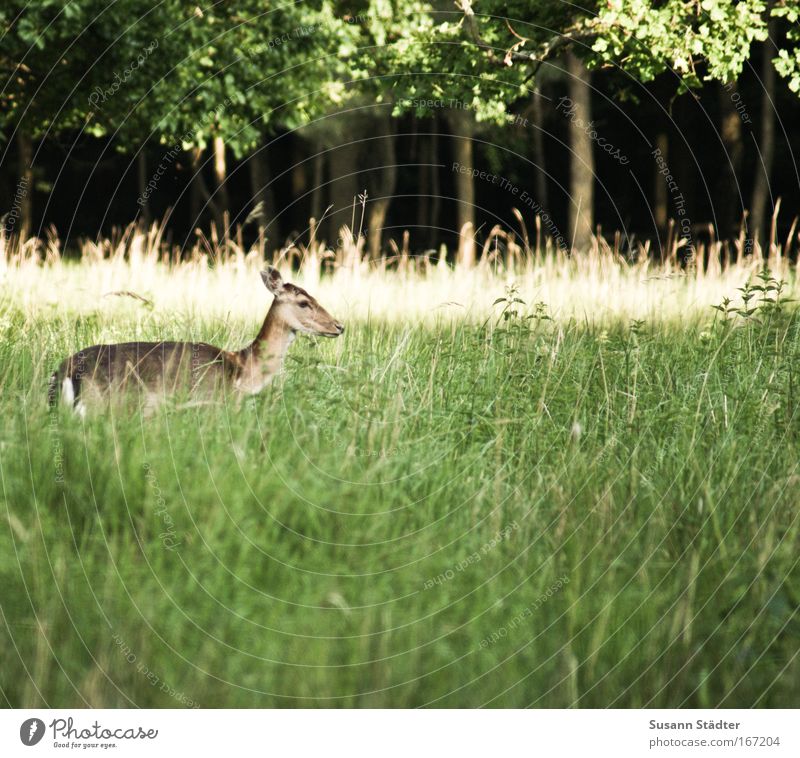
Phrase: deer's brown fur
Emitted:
{"points": [[156, 369]]}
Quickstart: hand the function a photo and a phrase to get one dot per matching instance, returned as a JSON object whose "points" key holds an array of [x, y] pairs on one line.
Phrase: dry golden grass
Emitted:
{"points": [[217, 278]]}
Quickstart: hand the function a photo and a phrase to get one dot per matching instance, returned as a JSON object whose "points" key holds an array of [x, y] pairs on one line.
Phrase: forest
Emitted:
{"points": [[267, 117]]}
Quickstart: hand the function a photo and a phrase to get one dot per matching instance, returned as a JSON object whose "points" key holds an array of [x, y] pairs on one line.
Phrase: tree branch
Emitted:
{"points": [[514, 54]]}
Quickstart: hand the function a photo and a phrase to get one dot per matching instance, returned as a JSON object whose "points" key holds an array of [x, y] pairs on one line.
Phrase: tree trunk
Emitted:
{"points": [[581, 164], [461, 126], [222, 204], [142, 179], [728, 206], [298, 171], [201, 196], [384, 188], [262, 194], [424, 160], [343, 187], [684, 162], [660, 196], [317, 192], [429, 197], [23, 197], [435, 185], [196, 194], [761, 187], [538, 148]]}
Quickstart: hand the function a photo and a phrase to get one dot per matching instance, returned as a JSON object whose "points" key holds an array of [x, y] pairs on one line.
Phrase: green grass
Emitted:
{"points": [[538, 514]]}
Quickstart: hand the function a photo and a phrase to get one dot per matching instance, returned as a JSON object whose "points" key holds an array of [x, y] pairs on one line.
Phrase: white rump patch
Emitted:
{"points": [[68, 391]]}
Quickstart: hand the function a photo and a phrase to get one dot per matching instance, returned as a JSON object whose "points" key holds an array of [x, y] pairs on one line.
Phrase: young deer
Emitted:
{"points": [[159, 368]]}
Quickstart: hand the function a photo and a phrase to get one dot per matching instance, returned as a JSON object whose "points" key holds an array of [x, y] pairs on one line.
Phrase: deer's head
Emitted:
{"points": [[300, 311]]}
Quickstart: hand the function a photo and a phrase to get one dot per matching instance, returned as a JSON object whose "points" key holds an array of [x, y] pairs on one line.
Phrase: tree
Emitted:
{"points": [[705, 41], [581, 185], [63, 63], [386, 32], [384, 187], [462, 127], [758, 203], [223, 76], [727, 198]]}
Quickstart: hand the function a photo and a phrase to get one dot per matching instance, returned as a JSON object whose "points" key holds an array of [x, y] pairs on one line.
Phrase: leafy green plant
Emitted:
{"points": [[510, 302], [763, 298], [772, 299]]}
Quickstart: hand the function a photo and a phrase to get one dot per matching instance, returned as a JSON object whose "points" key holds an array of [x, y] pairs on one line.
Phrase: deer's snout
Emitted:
{"points": [[332, 329]]}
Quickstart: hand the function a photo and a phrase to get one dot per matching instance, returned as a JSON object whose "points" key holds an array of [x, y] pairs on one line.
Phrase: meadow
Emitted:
{"points": [[542, 482]]}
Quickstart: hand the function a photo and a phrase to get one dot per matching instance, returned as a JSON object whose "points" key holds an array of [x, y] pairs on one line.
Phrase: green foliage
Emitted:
{"points": [[57, 53], [232, 71], [698, 41], [787, 63], [765, 298], [175, 71], [647, 38]]}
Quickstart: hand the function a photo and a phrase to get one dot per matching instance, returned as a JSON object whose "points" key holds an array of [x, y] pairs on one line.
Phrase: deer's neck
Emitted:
{"points": [[263, 358]]}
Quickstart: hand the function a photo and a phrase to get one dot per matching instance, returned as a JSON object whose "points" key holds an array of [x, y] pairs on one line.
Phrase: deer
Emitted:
{"points": [[159, 369]]}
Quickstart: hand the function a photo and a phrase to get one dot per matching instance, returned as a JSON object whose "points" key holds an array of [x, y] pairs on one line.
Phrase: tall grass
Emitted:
{"points": [[216, 276], [588, 502]]}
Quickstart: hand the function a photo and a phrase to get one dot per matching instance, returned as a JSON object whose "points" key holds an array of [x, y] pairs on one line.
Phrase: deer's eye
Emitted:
{"points": [[305, 305]]}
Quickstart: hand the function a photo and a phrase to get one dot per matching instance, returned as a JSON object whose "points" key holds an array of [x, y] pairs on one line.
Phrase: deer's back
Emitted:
{"points": [[153, 367]]}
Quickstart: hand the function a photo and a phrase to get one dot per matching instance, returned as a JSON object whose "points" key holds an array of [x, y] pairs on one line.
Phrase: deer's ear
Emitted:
{"points": [[273, 281]]}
